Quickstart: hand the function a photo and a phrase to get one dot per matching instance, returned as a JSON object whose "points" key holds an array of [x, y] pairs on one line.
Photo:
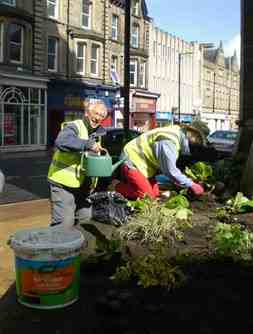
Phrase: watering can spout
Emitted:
{"points": [[117, 164]]}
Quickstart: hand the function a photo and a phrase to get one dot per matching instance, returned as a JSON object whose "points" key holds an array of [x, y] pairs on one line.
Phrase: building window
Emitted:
{"points": [[142, 75], [94, 59], [16, 43], [114, 69], [52, 54], [8, 2], [114, 27], [136, 7], [135, 36], [23, 116], [133, 73], [86, 14], [1, 40], [154, 49], [80, 57], [52, 8], [114, 63]]}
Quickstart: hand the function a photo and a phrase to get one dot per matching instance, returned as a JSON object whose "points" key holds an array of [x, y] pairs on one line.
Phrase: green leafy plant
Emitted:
{"points": [[232, 241], [240, 204], [123, 273], [180, 207], [141, 204], [237, 205], [151, 270], [223, 215], [201, 172], [178, 201], [155, 222]]}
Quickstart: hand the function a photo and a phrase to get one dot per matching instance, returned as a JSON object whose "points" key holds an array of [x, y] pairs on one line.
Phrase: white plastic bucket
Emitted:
{"points": [[47, 263]]}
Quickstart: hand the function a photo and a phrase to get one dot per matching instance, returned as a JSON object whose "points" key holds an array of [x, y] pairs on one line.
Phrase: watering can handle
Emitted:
{"points": [[85, 154], [103, 150]]}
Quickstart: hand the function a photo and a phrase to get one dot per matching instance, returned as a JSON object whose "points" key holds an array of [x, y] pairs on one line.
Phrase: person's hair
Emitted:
{"points": [[90, 102]]}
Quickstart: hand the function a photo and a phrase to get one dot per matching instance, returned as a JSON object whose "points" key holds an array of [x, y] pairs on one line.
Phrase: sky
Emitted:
{"points": [[206, 21]]}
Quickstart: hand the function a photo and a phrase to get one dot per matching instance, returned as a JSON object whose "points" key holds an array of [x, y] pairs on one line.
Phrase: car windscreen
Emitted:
{"points": [[225, 135]]}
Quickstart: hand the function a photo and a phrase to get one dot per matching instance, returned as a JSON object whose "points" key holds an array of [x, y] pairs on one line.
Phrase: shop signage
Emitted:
{"points": [[73, 101]]}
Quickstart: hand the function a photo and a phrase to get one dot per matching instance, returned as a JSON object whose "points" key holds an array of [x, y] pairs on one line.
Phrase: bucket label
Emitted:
{"points": [[48, 282]]}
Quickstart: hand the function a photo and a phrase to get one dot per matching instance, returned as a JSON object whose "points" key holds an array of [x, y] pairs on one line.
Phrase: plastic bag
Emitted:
{"points": [[109, 208]]}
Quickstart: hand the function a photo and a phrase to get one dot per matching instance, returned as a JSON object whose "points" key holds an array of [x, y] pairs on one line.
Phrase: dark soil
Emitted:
{"points": [[216, 298]]}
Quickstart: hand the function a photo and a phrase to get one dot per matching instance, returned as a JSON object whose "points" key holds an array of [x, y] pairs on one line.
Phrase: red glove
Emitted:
{"points": [[197, 189]]}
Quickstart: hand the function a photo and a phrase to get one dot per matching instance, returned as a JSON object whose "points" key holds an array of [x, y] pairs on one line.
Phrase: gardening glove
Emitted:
{"points": [[197, 189]]}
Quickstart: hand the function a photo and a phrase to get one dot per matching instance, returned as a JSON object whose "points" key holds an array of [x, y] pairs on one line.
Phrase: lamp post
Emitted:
{"points": [[127, 63], [179, 81]]}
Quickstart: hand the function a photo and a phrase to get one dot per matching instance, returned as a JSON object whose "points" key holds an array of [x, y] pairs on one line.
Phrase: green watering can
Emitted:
{"points": [[99, 165]]}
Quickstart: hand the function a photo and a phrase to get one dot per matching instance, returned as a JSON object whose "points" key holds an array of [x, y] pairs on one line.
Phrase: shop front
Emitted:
{"points": [[186, 118], [23, 113], [164, 118], [65, 103], [143, 110], [216, 121]]}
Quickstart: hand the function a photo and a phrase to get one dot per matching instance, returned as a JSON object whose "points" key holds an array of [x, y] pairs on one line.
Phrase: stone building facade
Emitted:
{"points": [[142, 101], [76, 58], [166, 51], [23, 86], [62, 51], [221, 90], [85, 57]]}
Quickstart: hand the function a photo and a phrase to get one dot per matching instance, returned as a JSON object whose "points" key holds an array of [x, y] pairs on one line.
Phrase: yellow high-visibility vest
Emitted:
{"points": [[139, 150], [65, 167]]}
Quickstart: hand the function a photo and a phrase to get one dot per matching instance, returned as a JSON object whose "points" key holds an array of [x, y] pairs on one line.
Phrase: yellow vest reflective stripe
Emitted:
{"points": [[65, 167], [140, 151]]}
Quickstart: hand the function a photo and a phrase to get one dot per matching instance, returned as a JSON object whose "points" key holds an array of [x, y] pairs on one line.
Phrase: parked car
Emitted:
{"points": [[223, 140], [115, 139]]}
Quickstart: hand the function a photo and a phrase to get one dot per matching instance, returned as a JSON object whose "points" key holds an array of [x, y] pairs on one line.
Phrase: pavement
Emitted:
{"points": [[14, 217], [26, 176], [24, 203]]}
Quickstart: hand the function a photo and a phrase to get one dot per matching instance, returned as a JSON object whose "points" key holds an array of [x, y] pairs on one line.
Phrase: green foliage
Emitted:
{"points": [[151, 270], [240, 204], [179, 206], [141, 204], [154, 223], [177, 201], [201, 172], [123, 273], [237, 205], [232, 241], [223, 215]]}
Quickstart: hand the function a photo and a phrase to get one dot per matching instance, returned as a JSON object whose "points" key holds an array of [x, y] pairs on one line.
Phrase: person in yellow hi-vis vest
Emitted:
{"points": [[69, 186], [153, 151]]}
